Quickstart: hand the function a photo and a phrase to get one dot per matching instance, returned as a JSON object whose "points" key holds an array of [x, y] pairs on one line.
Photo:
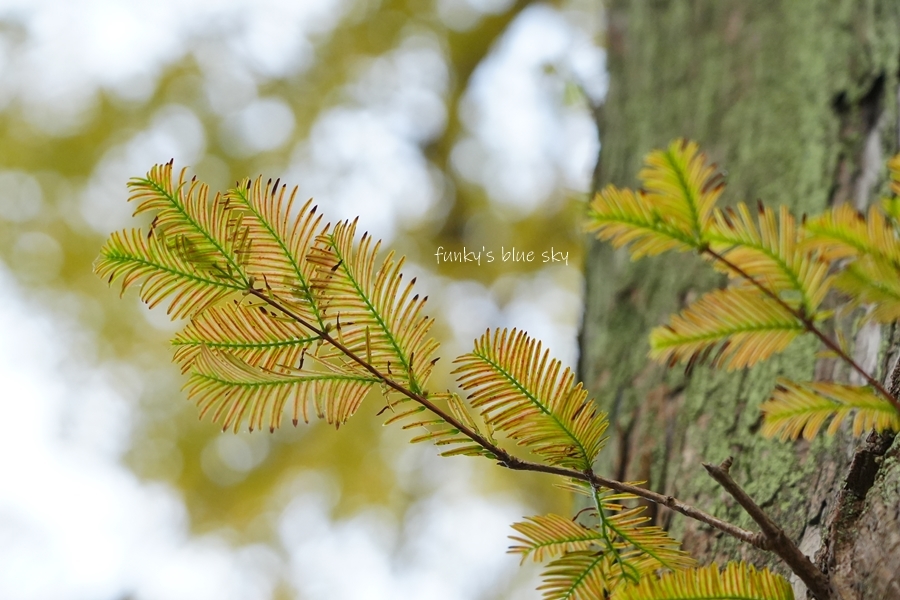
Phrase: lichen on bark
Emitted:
{"points": [[793, 99]]}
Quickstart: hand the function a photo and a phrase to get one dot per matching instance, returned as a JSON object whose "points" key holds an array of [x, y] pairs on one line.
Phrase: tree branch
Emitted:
{"points": [[777, 540], [514, 463], [809, 325]]}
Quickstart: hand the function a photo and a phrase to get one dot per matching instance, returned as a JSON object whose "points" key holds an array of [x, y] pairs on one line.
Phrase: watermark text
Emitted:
{"points": [[507, 255]]}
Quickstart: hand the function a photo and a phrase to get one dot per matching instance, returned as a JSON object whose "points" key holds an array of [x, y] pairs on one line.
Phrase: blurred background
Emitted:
{"points": [[441, 123]]}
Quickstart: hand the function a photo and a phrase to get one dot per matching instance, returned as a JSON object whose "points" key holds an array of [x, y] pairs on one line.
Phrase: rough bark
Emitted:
{"points": [[798, 100]]}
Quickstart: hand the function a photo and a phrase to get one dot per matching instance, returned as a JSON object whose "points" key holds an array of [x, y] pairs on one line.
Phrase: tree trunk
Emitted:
{"points": [[799, 101]]}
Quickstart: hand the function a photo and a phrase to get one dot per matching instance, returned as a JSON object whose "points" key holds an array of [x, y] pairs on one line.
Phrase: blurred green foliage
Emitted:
{"points": [[51, 253]]}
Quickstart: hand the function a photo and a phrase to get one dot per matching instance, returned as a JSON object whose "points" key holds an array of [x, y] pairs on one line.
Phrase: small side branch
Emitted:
{"points": [[754, 538], [810, 326], [777, 541]]}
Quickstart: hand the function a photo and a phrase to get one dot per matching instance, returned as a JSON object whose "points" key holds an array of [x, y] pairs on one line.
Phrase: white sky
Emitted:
{"points": [[74, 521]]}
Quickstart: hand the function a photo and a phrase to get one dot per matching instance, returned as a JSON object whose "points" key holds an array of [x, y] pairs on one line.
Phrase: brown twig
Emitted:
{"points": [[777, 540], [809, 325], [514, 463], [754, 538]]}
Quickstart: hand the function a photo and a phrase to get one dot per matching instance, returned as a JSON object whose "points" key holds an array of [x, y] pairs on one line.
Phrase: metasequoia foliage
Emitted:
{"points": [[737, 582], [288, 313], [779, 272]]}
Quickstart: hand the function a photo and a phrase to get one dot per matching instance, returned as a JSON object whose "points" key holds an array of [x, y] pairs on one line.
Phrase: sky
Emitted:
{"points": [[75, 520]]}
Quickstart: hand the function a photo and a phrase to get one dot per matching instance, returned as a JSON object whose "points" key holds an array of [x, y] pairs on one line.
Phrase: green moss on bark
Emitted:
{"points": [[785, 95]]}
